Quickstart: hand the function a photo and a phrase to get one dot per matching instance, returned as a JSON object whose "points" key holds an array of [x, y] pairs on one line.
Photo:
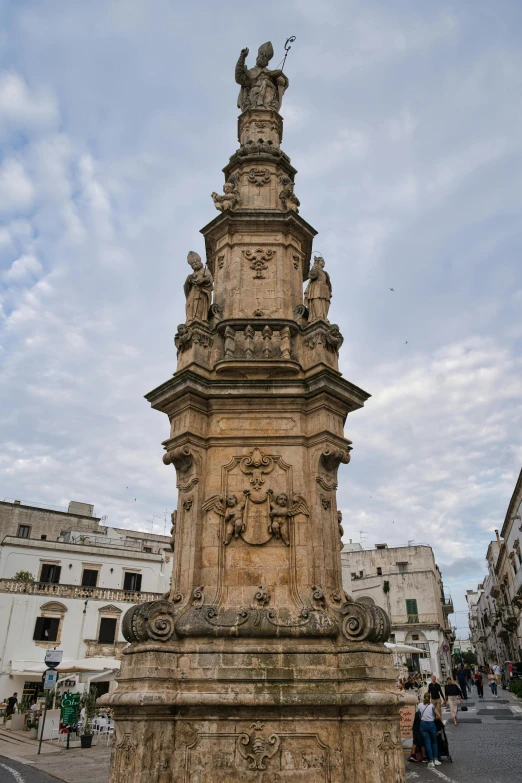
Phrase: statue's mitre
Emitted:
{"points": [[266, 49], [193, 256]]}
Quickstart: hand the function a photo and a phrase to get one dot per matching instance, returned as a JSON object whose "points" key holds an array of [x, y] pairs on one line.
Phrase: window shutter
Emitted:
{"points": [[38, 629], [107, 630], [411, 606], [52, 634], [138, 582], [57, 572]]}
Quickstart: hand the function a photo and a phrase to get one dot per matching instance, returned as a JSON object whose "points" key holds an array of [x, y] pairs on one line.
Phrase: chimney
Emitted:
{"points": [[499, 542]]}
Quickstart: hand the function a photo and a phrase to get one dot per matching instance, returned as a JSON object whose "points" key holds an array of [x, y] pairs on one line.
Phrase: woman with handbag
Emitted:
{"points": [[428, 713], [453, 694], [479, 684]]}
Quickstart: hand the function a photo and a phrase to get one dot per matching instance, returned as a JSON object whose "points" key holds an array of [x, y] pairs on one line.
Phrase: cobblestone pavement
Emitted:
{"points": [[486, 746]]}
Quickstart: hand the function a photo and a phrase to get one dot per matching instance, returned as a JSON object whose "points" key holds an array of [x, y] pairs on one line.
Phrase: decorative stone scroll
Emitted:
{"points": [[195, 334], [258, 260], [259, 176], [258, 747], [329, 460], [151, 621], [365, 622]]}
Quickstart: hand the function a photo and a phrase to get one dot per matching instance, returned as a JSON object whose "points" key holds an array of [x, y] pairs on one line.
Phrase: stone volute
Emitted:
{"points": [[257, 666]]}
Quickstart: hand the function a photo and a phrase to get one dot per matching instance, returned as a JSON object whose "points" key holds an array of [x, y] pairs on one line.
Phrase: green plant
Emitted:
{"points": [[24, 576], [24, 704], [88, 701], [386, 586], [32, 723], [515, 686]]}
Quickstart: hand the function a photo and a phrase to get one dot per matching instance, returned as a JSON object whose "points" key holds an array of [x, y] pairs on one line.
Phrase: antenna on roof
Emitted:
{"points": [[363, 536]]}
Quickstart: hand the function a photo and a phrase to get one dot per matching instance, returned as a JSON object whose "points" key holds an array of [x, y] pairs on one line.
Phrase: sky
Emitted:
{"points": [[404, 122]]}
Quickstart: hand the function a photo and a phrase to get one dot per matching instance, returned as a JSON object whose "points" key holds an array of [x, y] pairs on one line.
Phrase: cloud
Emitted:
{"points": [[24, 267], [462, 567], [23, 110], [16, 187]]}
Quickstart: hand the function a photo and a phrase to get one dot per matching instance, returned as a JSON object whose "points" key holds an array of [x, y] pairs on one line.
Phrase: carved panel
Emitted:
{"points": [[257, 755], [258, 260]]}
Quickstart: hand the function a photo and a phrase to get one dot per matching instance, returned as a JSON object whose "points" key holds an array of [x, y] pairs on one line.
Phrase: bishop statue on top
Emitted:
{"points": [[261, 88]]}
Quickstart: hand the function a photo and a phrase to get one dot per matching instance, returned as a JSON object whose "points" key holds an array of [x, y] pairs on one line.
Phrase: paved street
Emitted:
{"points": [[486, 746]]}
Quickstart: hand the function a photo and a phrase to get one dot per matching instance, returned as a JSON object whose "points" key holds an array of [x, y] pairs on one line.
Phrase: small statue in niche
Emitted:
{"points": [[230, 198], [341, 528], [260, 87], [234, 523], [198, 290], [288, 198], [318, 292], [279, 513]]}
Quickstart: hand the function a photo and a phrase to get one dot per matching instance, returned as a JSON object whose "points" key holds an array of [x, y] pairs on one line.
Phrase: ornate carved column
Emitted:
{"points": [[257, 666]]}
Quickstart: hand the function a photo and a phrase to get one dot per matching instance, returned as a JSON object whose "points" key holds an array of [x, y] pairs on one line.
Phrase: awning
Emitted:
{"points": [[404, 648], [79, 665]]}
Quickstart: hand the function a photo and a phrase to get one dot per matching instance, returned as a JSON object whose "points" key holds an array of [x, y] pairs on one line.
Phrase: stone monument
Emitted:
{"points": [[257, 667]]}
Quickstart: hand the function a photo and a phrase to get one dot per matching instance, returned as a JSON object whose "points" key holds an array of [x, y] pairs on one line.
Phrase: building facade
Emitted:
{"points": [[68, 587], [495, 608], [407, 584]]}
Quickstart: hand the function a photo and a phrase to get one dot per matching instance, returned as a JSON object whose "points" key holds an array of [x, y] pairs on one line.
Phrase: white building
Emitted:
{"points": [[85, 578], [407, 584]]}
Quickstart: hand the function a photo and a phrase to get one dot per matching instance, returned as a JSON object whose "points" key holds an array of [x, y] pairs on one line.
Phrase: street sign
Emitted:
{"points": [[53, 658], [456, 651], [445, 648], [50, 679]]}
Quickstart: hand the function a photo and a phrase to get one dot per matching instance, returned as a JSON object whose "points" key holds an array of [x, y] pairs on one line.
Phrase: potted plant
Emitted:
{"points": [[32, 725], [88, 702], [18, 718]]}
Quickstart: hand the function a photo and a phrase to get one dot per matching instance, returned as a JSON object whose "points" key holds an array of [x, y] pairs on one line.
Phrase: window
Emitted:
{"points": [[415, 637], [23, 531], [379, 572], [403, 567], [107, 632], [46, 629], [132, 581], [147, 549], [411, 610], [50, 574], [89, 577], [43, 538], [361, 574], [392, 638]]}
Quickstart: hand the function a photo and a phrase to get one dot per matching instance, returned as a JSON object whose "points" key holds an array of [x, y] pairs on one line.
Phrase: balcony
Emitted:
{"points": [[447, 603], [76, 591], [509, 618], [415, 619]]}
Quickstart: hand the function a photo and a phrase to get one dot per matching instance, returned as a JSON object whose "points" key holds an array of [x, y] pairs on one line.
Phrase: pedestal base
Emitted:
{"points": [[207, 713]]}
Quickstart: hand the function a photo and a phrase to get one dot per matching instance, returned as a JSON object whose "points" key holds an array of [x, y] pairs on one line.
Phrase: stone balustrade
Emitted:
{"points": [[76, 591]]}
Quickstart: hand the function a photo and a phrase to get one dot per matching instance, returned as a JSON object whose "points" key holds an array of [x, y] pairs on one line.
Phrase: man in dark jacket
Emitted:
{"points": [[462, 681], [436, 694]]}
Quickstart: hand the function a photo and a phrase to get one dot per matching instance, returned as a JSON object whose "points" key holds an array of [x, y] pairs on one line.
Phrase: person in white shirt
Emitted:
{"points": [[497, 671], [428, 712]]}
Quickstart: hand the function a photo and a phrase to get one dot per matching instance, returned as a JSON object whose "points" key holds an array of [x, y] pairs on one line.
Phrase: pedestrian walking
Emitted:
{"points": [[497, 671], [462, 681], [428, 713], [469, 676], [436, 694], [453, 696], [480, 685], [493, 683], [418, 746], [12, 701]]}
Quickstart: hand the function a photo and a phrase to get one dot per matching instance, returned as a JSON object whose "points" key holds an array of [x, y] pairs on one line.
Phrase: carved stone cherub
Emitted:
{"points": [[288, 198], [234, 523], [182, 338], [279, 512], [230, 198], [260, 87]]}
